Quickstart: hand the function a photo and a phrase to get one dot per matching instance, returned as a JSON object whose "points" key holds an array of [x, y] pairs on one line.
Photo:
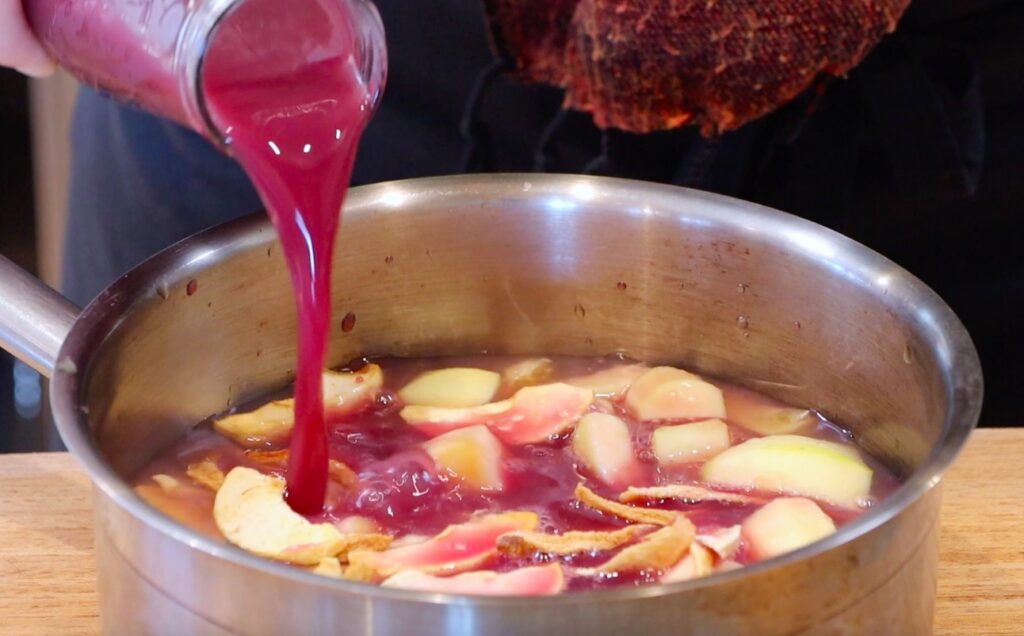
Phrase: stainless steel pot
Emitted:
{"points": [[516, 264]]}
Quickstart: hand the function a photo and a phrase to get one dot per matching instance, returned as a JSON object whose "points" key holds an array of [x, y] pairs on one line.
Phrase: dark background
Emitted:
{"points": [[20, 387]]}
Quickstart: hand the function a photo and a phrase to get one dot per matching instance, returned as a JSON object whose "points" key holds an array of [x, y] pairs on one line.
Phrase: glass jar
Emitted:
{"points": [[151, 52]]}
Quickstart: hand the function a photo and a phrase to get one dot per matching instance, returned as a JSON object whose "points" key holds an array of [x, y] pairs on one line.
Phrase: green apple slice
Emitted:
{"points": [[793, 465]]}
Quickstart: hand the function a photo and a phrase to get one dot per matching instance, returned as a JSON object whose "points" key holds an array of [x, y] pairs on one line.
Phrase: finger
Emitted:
{"points": [[19, 47]]}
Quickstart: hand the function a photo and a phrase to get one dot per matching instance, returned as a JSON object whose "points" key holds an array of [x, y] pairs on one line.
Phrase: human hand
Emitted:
{"points": [[19, 48]]}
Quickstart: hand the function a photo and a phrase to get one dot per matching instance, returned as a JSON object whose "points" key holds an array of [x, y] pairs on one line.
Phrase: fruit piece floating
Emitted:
{"points": [[524, 476]]}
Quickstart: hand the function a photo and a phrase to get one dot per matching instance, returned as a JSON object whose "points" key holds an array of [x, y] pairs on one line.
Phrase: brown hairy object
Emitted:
{"points": [[645, 65]]}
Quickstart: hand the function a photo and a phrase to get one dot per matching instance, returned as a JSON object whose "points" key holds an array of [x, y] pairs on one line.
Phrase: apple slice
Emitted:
{"points": [[251, 513], [206, 473], [347, 391], [457, 387], [540, 413], [784, 525], [657, 551], [520, 544], [360, 541], [653, 516], [728, 566], [534, 414], [272, 423], [666, 393], [723, 542], [330, 566], [471, 455], [793, 465], [757, 413], [612, 382], [529, 372], [540, 580], [434, 420], [357, 524], [605, 447], [699, 562], [456, 549], [187, 504], [685, 493], [685, 443], [167, 483]]}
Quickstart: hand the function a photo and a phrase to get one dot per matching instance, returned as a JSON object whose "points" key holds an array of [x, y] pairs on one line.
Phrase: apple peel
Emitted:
{"points": [[519, 544], [657, 551], [456, 549], [633, 514], [685, 493]]}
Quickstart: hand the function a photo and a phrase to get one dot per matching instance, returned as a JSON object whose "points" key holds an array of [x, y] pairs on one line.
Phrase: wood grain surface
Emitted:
{"points": [[47, 566]]}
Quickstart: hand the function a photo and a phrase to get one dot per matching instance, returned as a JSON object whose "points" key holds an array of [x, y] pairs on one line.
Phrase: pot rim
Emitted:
{"points": [[858, 264]]}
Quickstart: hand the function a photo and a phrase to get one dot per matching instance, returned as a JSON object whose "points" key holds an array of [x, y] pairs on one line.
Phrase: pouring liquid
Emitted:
{"points": [[287, 95]]}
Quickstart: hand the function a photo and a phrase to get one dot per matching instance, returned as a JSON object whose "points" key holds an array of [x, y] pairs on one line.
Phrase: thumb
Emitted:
{"points": [[19, 47]]}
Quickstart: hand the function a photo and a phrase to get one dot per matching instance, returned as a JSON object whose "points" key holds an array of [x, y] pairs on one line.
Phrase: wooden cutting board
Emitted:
{"points": [[47, 566]]}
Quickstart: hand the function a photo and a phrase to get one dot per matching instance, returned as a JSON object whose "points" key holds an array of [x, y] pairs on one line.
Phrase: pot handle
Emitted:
{"points": [[34, 319]]}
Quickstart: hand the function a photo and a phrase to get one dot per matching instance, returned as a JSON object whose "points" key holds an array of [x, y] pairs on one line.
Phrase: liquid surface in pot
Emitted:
{"points": [[495, 475]]}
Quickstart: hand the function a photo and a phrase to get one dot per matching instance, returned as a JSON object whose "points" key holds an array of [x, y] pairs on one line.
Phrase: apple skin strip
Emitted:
{"points": [[518, 544], [685, 493], [652, 516]]}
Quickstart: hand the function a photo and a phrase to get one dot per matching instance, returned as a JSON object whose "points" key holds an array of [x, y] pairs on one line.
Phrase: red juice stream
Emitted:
{"points": [[286, 92]]}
